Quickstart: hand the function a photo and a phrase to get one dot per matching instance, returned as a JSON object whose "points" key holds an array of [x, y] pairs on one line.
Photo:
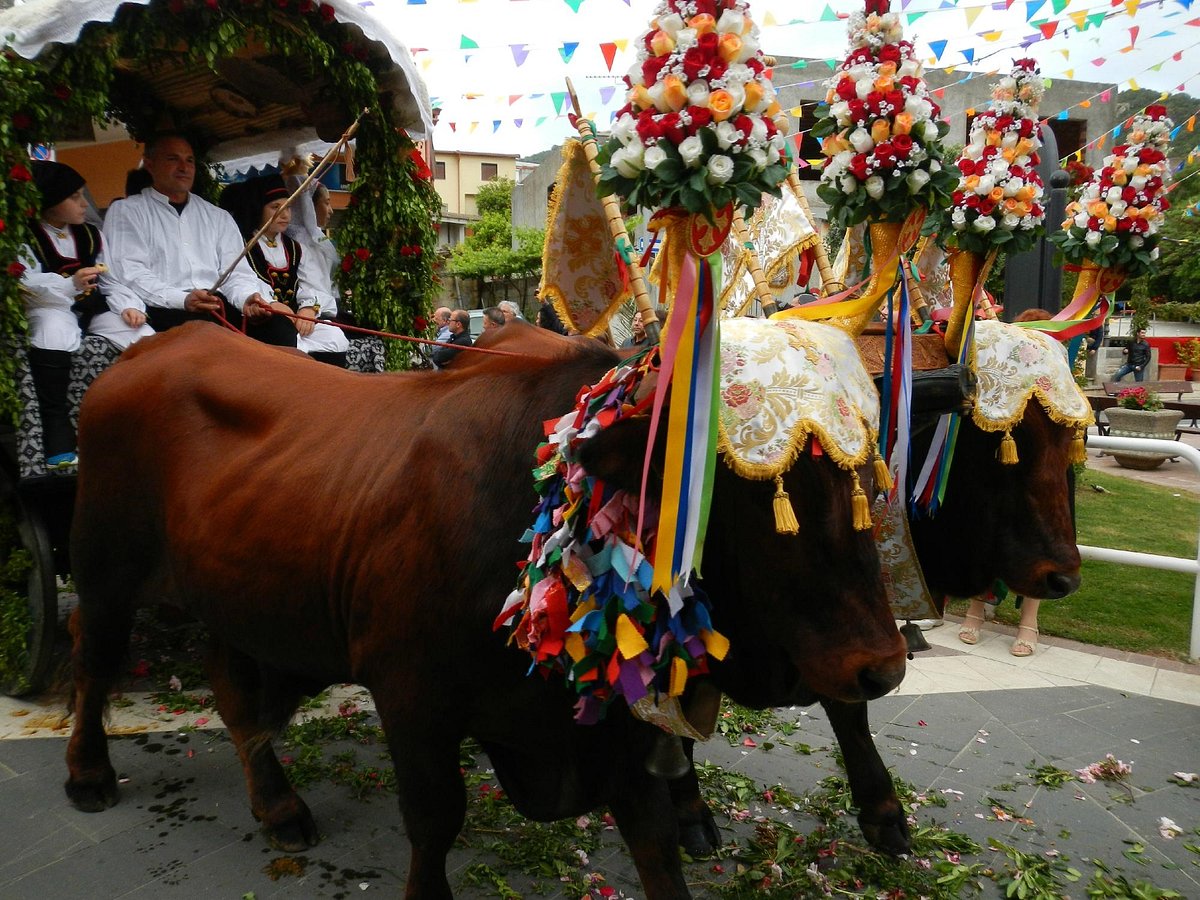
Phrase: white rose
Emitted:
{"points": [[1093, 238], [657, 97], [697, 93], [958, 219], [731, 22], [625, 128], [1129, 164], [934, 165], [860, 140], [863, 87], [738, 93], [1137, 182], [917, 180], [909, 67], [758, 157], [671, 24], [849, 184], [653, 157], [918, 108], [691, 149], [628, 161], [739, 73], [1136, 241], [1117, 208], [1010, 221], [1113, 195], [685, 39], [986, 183], [727, 134], [1012, 186], [874, 185], [749, 48], [1009, 139], [720, 169], [971, 151], [758, 131], [773, 154], [1081, 219], [984, 223], [840, 111], [931, 131], [635, 71]]}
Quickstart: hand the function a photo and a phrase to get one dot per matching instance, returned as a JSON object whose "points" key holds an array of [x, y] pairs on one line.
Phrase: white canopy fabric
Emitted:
{"points": [[33, 26]]}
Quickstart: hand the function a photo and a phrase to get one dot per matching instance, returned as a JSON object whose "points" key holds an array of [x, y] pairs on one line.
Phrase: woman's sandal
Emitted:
{"points": [[966, 633], [1022, 647]]}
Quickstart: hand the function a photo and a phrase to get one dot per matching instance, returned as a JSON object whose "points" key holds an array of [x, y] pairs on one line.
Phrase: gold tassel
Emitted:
{"points": [[785, 516], [860, 506], [1008, 450], [1078, 450], [883, 478]]}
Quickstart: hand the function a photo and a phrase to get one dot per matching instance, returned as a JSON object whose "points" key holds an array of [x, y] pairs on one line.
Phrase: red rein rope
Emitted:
{"points": [[219, 316]]}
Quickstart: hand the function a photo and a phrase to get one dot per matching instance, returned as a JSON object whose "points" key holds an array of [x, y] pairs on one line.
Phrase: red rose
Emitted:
{"points": [[405, 250], [858, 166], [903, 144], [1128, 193], [858, 112], [755, 65], [347, 262], [328, 14], [694, 60], [966, 167], [672, 127], [2, 226], [16, 270], [889, 53], [1163, 204], [1156, 112], [972, 201], [745, 125], [212, 4], [416, 250], [986, 205], [648, 128], [1149, 156], [362, 254], [909, 84], [885, 154], [19, 173], [1124, 224], [772, 128], [708, 43], [420, 323], [651, 68], [21, 121], [701, 116], [717, 68], [845, 89]]}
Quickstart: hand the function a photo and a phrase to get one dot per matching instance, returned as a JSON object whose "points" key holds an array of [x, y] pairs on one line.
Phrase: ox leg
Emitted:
{"points": [[641, 804], [880, 815], [100, 634], [255, 703], [698, 832], [433, 796]]}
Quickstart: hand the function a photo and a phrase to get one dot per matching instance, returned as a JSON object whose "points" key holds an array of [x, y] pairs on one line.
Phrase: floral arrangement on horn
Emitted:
{"points": [[882, 132], [1114, 223], [702, 127], [998, 200]]}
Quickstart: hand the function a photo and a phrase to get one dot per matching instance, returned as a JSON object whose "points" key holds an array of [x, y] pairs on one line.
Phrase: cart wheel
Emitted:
{"points": [[42, 599]]}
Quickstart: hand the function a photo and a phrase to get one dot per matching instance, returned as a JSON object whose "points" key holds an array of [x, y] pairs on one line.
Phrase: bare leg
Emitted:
{"points": [[972, 622], [1025, 643]]}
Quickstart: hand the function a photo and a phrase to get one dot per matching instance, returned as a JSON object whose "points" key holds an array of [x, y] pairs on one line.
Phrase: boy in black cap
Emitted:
{"points": [[62, 301]]}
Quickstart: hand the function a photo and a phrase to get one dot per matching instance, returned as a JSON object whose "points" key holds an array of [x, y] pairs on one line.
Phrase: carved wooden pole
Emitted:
{"points": [[828, 282], [761, 289]]}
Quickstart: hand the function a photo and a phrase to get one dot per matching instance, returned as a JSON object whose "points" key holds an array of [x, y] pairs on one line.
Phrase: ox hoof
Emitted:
{"points": [[93, 796], [293, 835], [700, 839], [887, 835]]}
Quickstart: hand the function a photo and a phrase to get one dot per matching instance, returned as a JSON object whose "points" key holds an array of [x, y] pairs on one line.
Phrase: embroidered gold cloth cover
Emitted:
{"points": [[579, 268], [779, 231], [1014, 364], [780, 382]]}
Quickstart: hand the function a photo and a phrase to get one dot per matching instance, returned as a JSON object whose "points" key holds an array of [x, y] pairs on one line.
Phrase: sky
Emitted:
{"points": [[498, 68]]}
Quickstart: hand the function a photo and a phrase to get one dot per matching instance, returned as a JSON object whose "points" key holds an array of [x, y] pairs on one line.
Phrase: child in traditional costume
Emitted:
{"points": [[62, 301], [294, 274]]}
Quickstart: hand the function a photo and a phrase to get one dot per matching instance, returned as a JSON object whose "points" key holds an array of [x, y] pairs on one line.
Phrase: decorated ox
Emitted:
{"points": [[1012, 521], [295, 509]]}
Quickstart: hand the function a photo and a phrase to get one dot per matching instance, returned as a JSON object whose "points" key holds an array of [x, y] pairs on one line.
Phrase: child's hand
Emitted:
{"points": [[306, 322], [134, 318], [85, 279]]}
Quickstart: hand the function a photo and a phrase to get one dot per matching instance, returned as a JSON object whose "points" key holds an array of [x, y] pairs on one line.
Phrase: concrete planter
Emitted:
{"points": [[1172, 371], [1140, 423]]}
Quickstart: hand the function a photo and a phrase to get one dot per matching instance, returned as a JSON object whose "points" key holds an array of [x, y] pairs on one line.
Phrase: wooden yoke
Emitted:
{"points": [[616, 222], [761, 290]]}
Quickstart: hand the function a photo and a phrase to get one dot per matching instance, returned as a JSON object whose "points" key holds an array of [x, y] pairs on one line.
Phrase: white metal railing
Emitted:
{"points": [[1151, 560]]}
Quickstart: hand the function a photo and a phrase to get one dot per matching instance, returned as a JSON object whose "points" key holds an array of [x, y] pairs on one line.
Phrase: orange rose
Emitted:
{"points": [[996, 195], [1110, 223], [661, 43], [640, 97], [903, 124], [1025, 193], [834, 144], [729, 47], [703, 23], [992, 139], [1022, 209], [887, 69], [1010, 205], [880, 131], [720, 104], [773, 109], [1098, 209], [883, 84], [1119, 177], [674, 93], [754, 96], [971, 183]]}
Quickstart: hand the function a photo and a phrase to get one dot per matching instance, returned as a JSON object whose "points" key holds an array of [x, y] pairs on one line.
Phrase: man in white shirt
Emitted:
{"points": [[169, 247]]}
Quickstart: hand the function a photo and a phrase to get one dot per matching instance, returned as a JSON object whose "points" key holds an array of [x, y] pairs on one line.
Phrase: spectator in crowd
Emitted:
{"points": [[493, 317], [637, 337], [169, 247], [1137, 358], [441, 321], [295, 272], [62, 300], [548, 318], [460, 336], [510, 309]]}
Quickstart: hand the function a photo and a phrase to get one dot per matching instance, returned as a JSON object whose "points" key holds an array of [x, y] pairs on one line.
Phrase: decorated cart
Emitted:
{"points": [[252, 84]]}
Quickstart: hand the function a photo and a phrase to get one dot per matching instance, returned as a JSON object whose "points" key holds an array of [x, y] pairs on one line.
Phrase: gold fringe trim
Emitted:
{"points": [[860, 506], [797, 442], [1008, 450], [883, 477], [985, 424], [785, 516], [1078, 448]]}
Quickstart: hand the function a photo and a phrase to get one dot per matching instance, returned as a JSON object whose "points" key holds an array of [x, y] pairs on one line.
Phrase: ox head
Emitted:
{"points": [[806, 613], [1011, 521]]}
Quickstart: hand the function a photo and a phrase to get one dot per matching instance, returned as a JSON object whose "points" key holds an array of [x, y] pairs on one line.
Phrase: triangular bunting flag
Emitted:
{"points": [[1191, 124], [566, 51], [1098, 61], [972, 13], [1133, 34], [513, 98], [968, 54], [622, 44], [1131, 7], [1070, 73], [465, 43], [558, 97], [1048, 28], [609, 52], [574, 4], [540, 120], [495, 125], [453, 126], [517, 123], [1060, 5], [606, 94], [1133, 85], [1032, 7], [520, 52], [938, 48], [1080, 20], [769, 20], [912, 17], [1096, 19], [992, 36], [828, 15]]}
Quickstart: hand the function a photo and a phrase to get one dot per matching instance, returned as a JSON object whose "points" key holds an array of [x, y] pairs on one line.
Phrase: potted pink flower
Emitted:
{"points": [[1139, 413]]}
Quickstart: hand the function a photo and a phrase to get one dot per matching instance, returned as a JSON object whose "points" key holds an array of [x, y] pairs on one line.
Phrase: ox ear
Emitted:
{"points": [[617, 454]]}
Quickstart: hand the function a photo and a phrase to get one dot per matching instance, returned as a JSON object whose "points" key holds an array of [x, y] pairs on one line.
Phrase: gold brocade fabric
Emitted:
{"points": [[780, 231], [903, 579], [579, 268], [851, 257], [1014, 364], [780, 382]]}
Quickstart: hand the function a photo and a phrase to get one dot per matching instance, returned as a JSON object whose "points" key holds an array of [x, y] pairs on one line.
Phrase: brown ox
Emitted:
{"points": [[1009, 522], [295, 508]]}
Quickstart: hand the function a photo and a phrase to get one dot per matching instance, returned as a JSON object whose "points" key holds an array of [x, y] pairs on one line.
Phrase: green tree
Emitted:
{"points": [[1177, 279], [495, 254]]}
